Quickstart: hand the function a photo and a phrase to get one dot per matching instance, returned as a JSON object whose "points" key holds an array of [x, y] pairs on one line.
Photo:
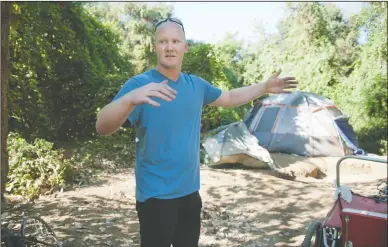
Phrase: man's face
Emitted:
{"points": [[170, 45]]}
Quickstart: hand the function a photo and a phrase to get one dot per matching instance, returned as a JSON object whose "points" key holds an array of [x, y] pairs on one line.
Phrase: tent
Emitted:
{"points": [[301, 123], [233, 144]]}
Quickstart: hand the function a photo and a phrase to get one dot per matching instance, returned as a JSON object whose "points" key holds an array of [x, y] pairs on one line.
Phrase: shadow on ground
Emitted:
{"points": [[242, 208], [258, 209], [92, 220], [99, 213]]}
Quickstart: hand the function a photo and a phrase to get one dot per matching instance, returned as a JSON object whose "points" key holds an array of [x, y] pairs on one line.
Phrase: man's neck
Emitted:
{"points": [[172, 74]]}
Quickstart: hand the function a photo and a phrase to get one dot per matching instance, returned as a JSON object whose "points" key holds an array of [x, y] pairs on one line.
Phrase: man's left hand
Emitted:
{"points": [[277, 85]]}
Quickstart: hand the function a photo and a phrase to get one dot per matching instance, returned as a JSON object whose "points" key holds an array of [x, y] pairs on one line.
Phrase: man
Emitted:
{"points": [[165, 105]]}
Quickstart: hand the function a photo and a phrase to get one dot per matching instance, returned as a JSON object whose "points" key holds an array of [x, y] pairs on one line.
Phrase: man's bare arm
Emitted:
{"points": [[240, 96], [243, 95], [113, 115]]}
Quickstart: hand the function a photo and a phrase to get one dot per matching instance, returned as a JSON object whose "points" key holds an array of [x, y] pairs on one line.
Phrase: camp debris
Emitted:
{"points": [[233, 144], [301, 123]]}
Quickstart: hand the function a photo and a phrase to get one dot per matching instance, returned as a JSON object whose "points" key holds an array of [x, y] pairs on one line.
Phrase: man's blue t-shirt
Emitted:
{"points": [[168, 136]]}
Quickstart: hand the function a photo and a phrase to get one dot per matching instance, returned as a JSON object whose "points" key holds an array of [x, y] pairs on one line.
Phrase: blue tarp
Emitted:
{"points": [[348, 135]]}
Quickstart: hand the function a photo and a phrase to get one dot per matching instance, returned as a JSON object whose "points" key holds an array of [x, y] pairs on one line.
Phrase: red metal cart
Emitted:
{"points": [[358, 222]]}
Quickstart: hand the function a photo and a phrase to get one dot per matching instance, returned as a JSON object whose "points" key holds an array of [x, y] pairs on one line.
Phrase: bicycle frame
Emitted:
{"points": [[366, 158], [346, 242]]}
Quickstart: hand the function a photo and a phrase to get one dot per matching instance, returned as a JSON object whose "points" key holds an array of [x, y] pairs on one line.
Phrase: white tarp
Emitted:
{"points": [[234, 144]]}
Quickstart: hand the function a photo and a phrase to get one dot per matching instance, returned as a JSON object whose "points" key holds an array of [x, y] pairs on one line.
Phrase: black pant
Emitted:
{"points": [[170, 221]]}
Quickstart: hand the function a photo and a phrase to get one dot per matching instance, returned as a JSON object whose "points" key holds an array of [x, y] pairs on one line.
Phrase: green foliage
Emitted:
{"points": [[34, 167], [306, 47], [364, 94], [384, 147], [142, 19], [134, 23], [202, 60], [38, 167], [110, 85], [59, 57], [102, 152], [232, 54]]}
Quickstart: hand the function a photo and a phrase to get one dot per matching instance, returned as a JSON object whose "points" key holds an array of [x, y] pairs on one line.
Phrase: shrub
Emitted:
{"points": [[117, 150], [34, 167]]}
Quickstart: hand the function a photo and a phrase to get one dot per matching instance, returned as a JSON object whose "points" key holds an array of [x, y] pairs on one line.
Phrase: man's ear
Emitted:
{"points": [[186, 47]]}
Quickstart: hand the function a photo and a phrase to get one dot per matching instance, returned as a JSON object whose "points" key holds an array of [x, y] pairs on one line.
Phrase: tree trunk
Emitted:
{"points": [[5, 26]]}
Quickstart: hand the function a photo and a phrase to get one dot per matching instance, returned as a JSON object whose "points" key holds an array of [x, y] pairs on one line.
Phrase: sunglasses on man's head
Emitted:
{"points": [[175, 20]]}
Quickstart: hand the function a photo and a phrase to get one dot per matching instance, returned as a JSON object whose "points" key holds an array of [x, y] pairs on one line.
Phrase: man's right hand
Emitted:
{"points": [[145, 93]]}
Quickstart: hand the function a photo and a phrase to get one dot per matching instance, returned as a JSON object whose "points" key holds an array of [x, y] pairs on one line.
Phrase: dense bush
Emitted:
{"points": [[104, 152], [59, 59], [35, 167]]}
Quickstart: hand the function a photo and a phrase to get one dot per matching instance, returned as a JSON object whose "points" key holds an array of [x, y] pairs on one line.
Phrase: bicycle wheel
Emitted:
{"points": [[38, 232], [11, 240], [313, 236]]}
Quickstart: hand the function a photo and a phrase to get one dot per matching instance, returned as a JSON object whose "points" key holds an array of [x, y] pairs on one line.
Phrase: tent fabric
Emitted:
{"points": [[347, 132], [301, 123], [233, 144]]}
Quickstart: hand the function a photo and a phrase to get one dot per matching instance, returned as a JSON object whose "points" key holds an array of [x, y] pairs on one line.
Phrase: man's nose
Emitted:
{"points": [[169, 46]]}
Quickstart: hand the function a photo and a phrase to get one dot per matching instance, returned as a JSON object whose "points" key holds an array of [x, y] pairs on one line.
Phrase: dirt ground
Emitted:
{"points": [[242, 207]]}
